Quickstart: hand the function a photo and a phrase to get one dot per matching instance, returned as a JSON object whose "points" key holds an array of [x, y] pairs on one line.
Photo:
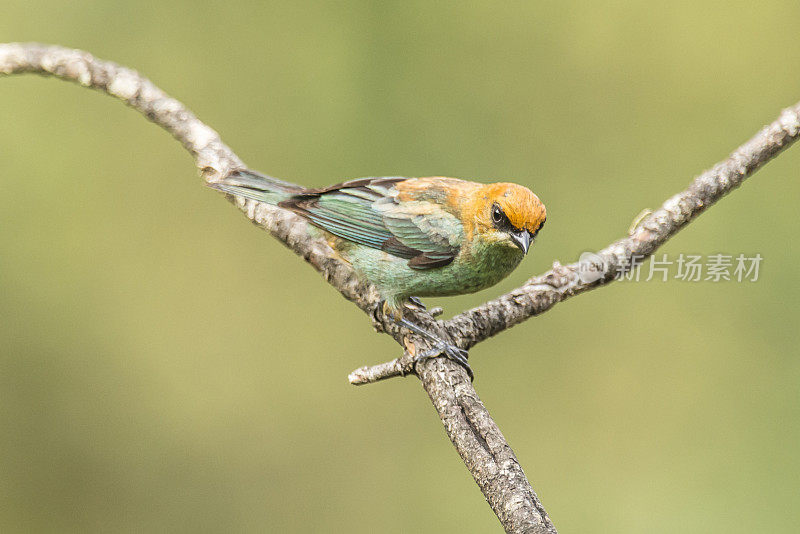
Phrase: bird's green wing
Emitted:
{"points": [[425, 227], [368, 212]]}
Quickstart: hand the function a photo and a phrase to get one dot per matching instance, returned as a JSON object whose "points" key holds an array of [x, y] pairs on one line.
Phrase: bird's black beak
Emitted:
{"points": [[522, 239]]}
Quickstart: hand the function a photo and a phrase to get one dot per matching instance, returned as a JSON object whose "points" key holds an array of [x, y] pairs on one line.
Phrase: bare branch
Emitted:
{"points": [[542, 292], [531, 299], [488, 457], [374, 373], [483, 448], [213, 158]]}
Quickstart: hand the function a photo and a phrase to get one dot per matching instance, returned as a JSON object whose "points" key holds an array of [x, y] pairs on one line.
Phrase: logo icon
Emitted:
{"points": [[591, 267]]}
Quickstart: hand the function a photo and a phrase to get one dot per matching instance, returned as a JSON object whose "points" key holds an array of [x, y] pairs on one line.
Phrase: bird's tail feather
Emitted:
{"points": [[250, 184]]}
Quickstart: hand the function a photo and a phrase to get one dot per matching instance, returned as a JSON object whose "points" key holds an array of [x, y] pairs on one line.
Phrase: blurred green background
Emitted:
{"points": [[167, 366]]}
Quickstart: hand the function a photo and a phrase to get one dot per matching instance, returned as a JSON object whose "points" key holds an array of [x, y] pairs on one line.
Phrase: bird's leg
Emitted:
{"points": [[439, 348], [376, 314]]}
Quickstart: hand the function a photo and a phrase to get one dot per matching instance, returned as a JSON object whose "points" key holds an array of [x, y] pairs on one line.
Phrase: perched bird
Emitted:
{"points": [[413, 237]]}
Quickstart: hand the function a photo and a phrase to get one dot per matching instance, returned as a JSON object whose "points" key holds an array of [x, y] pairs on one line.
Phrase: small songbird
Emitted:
{"points": [[412, 237]]}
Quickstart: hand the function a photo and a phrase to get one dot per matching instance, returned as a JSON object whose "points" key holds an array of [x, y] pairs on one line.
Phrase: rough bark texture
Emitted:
{"points": [[468, 424]]}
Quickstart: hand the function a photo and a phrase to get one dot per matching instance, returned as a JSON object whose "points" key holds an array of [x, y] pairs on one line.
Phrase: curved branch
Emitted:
{"points": [[477, 438], [213, 158]]}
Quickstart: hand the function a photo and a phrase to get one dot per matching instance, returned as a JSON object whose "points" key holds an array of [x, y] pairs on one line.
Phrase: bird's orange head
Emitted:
{"points": [[507, 213]]}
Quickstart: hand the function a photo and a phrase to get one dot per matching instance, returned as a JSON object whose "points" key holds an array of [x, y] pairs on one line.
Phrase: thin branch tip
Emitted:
{"points": [[369, 374]]}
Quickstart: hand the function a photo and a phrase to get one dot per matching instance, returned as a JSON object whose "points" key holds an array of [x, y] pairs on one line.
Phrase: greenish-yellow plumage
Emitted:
{"points": [[413, 237]]}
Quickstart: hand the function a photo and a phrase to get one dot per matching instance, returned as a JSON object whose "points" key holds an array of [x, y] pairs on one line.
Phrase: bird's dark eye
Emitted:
{"points": [[497, 214], [539, 228]]}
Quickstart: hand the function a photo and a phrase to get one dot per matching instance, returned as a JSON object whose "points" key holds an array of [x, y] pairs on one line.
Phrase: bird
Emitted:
{"points": [[412, 237]]}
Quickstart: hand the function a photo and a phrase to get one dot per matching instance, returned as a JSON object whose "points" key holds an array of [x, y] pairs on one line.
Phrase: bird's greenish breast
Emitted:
{"points": [[478, 265], [481, 265]]}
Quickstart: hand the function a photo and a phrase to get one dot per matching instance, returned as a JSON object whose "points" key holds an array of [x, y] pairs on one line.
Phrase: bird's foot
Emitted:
{"points": [[418, 305], [439, 348], [451, 352]]}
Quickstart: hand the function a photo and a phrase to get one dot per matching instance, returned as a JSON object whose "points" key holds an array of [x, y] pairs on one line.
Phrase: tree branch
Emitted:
{"points": [[477, 438], [542, 292]]}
